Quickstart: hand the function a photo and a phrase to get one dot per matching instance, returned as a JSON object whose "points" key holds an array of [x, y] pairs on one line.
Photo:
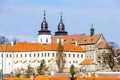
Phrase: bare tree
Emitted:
{"points": [[3, 40]]}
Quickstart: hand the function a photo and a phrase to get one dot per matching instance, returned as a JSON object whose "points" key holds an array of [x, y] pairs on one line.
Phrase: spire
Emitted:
{"points": [[44, 26], [92, 30], [61, 17], [44, 15]]}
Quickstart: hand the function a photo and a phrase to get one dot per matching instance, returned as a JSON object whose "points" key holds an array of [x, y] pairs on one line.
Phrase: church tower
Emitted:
{"points": [[44, 35], [61, 28]]}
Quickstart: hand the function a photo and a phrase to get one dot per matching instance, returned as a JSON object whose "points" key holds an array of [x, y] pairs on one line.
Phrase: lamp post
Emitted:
{"points": [[2, 61]]}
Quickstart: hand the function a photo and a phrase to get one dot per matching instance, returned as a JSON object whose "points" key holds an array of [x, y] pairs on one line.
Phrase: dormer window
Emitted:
{"points": [[91, 39], [72, 39]]}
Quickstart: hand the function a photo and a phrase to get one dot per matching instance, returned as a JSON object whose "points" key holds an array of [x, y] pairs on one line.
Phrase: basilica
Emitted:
{"points": [[84, 51]]}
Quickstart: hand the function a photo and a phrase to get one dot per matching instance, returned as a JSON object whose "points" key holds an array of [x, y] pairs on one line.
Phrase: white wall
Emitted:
{"points": [[10, 66], [44, 39]]}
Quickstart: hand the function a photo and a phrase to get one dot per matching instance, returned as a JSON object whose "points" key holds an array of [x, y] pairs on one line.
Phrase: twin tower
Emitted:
{"points": [[44, 35]]}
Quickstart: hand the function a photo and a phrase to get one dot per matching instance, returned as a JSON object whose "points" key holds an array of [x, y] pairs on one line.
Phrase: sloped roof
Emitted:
{"points": [[103, 45], [87, 39], [87, 62], [28, 46], [68, 38]]}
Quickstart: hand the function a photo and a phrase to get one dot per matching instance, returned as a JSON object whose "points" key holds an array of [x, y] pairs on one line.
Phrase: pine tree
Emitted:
{"points": [[72, 72], [41, 68]]}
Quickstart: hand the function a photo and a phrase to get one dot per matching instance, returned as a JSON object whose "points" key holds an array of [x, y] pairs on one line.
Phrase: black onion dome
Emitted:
{"points": [[44, 27], [61, 25], [61, 28]]}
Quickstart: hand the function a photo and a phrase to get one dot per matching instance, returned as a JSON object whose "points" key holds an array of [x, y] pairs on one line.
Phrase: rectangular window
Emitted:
{"points": [[21, 55], [42, 54], [77, 55], [34, 55], [29, 55], [10, 55], [25, 55], [38, 55], [53, 54], [69, 55], [45, 54], [7, 55], [46, 40], [48, 54], [73, 55], [81, 55]]}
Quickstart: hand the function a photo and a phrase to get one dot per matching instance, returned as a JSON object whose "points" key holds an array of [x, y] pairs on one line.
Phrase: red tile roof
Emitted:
{"points": [[87, 62], [87, 39], [103, 45], [68, 38], [27, 46]]}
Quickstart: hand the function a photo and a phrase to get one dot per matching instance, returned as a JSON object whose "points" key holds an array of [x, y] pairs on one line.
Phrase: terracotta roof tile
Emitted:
{"points": [[87, 62], [27, 46], [68, 38], [104, 45], [87, 39]]}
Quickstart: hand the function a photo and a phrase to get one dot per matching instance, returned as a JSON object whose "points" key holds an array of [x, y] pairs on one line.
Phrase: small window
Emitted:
{"points": [[46, 40], [53, 54], [45, 54], [38, 55], [21, 55], [25, 55], [29, 55], [77, 55], [73, 55], [7, 55], [34, 55], [42, 54], [91, 39], [16, 55], [10, 55], [41, 40], [81, 55], [48, 54], [69, 55]]}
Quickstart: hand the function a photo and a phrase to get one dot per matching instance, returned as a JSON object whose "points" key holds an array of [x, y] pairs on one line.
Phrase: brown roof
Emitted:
{"points": [[87, 62], [28, 46], [103, 45], [68, 38], [87, 39]]}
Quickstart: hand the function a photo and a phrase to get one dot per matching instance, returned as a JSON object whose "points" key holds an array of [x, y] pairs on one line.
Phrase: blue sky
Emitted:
{"points": [[22, 18]]}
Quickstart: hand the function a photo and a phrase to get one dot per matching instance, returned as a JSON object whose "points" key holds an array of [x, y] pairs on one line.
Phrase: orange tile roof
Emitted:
{"points": [[28, 46], [87, 62], [68, 38], [103, 45], [87, 39]]}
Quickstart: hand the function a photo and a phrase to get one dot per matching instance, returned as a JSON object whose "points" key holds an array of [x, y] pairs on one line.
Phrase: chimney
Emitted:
{"points": [[57, 40], [62, 41], [12, 43], [76, 43]]}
